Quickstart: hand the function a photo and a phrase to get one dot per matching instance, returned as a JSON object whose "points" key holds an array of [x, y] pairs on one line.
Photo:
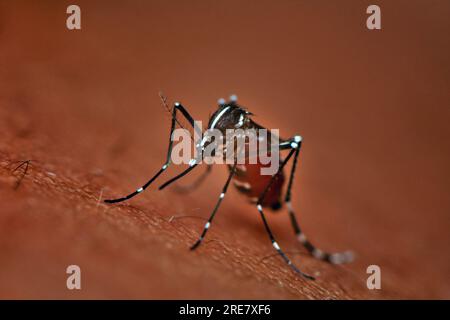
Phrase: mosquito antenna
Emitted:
{"points": [[164, 102]]}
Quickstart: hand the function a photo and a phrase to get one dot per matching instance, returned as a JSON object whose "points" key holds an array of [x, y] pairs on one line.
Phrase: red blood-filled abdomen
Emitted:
{"points": [[249, 180]]}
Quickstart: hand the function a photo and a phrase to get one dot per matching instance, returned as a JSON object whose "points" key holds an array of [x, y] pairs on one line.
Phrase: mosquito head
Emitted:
{"points": [[232, 100], [229, 115]]}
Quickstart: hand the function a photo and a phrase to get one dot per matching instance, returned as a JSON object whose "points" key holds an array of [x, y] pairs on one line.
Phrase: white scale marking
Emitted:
{"points": [[317, 253], [244, 185], [289, 205], [140, 190], [241, 121], [275, 245], [219, 116], [337, 258], [302, 238]]}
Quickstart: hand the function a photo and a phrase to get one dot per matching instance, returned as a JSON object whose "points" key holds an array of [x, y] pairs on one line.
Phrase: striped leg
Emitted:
{"points": [[177, 107], [334, 258], [222, 195], [192, 164], [194, 185], [266, 225]]}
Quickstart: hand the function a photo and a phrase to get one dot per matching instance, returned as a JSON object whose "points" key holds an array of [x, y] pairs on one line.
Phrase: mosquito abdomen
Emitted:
{"points": [[249, 181]]}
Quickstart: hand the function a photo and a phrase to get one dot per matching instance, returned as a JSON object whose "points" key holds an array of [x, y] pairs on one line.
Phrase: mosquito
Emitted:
{"points": [[265, 191]]}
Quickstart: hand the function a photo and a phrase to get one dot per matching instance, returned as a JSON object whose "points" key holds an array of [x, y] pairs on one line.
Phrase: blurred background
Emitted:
{"points": [[83, 105]]}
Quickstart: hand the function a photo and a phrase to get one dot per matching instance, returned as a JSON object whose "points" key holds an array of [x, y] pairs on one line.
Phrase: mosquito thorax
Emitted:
{"points": [[229, 116]]}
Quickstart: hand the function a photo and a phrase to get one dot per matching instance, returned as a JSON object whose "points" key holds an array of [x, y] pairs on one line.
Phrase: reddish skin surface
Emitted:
{"points": [[373, 174]]}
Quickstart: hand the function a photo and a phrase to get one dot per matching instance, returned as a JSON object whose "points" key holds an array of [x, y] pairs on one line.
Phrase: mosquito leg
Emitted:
{"points": [[266, 225], [192, 164], [222, 195], [196, 183], [141, 189], [177, 107], [334, 258]]}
